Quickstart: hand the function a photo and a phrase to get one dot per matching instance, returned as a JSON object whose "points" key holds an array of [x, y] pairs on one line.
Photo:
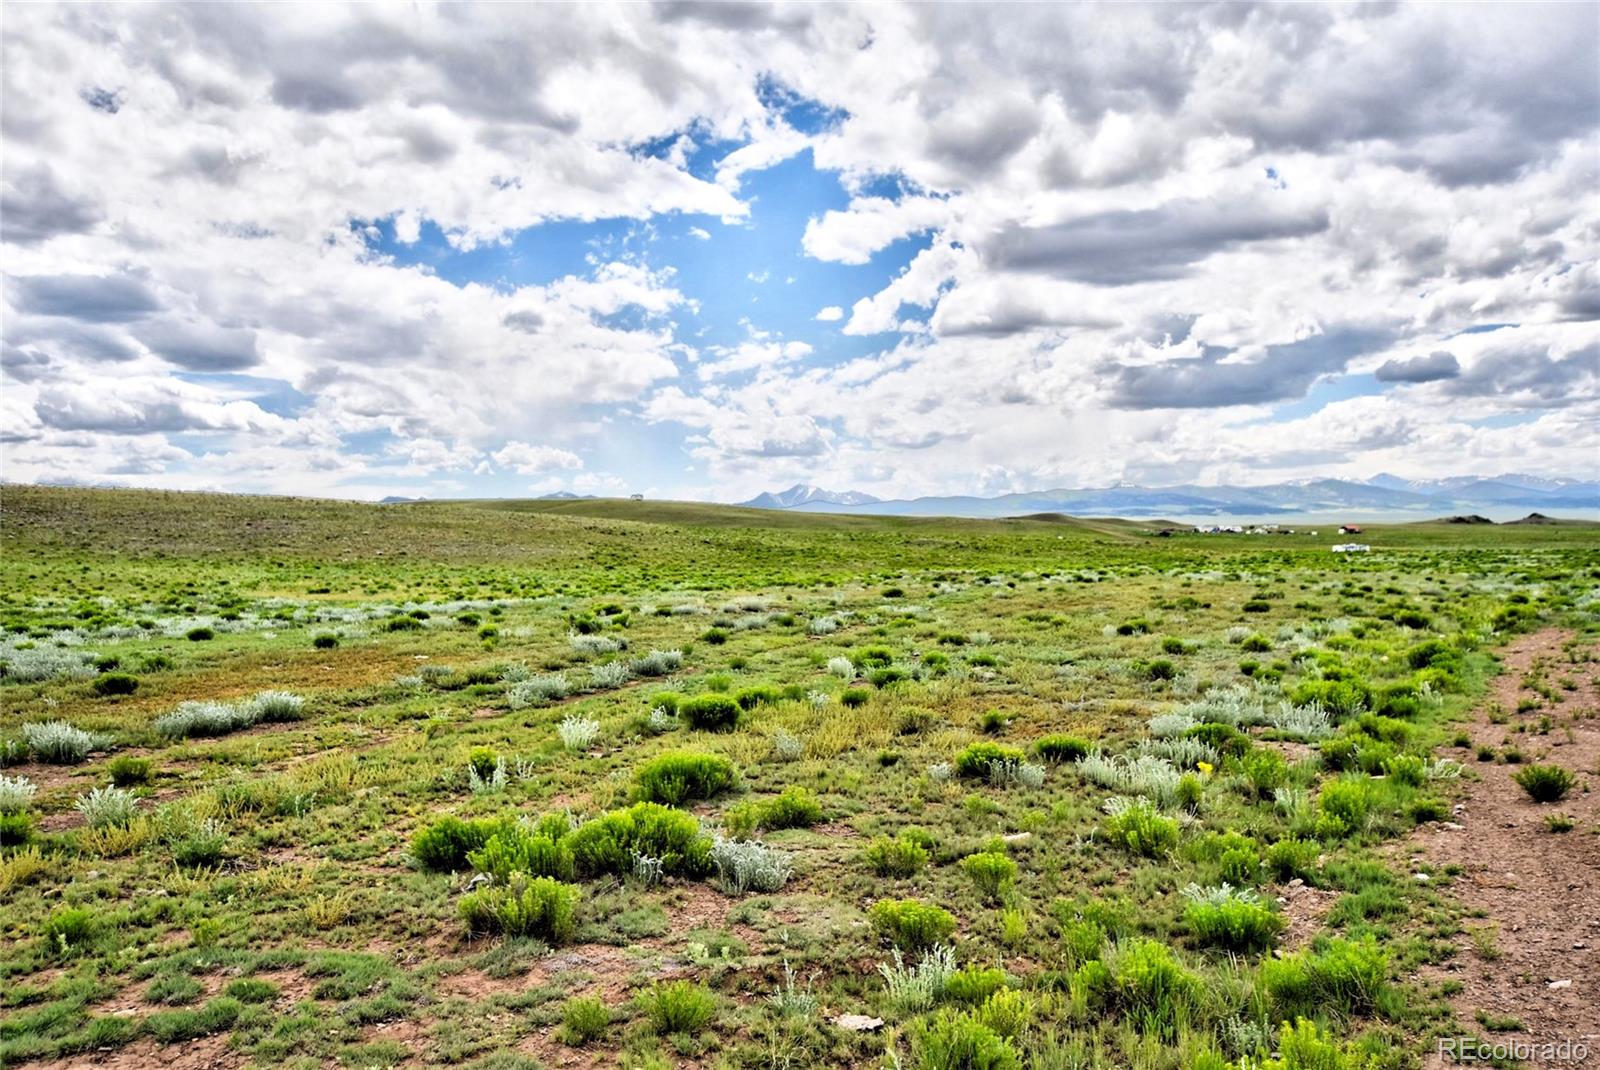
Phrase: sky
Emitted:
{"points": [[700, 250]]}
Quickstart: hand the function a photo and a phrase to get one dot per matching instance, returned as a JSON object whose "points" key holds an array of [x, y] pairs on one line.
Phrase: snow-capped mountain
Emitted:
{"points": [[802, 494], [1504, 498]]}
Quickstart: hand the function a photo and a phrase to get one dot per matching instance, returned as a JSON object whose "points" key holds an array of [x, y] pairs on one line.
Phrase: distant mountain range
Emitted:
{"points": [[801, 496], [1500, 497]]}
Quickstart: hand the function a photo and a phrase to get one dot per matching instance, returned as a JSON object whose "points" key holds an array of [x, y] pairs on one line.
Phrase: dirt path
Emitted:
{"points": [[1532, 971]]}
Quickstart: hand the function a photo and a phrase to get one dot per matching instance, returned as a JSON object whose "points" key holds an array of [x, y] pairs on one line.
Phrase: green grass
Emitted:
{"points": [[301, 887]]}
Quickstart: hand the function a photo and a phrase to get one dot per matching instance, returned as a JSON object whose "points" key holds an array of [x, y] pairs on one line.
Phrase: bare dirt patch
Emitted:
{"points": [[206, 1053], [1304, 907], [1536, 890]]}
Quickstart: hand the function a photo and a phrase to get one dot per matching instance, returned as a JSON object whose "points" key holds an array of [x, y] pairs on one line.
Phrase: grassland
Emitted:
{"points": [[513, 784]]}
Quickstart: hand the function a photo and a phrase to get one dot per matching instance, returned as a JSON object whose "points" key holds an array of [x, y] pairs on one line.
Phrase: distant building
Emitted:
{"points": [[1350, 529], [636, 497], [1351, 548]]}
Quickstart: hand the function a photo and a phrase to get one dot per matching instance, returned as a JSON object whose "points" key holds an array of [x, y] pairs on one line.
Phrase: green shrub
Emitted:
{"points": [[1157, 669], [1288, 859], [1152, 988], [678, 1007], [1062, 748], [1007, 1012], [873, 657], [993, 874], [483, 761], [1306, 1046], [974, 984], [854, 697], [1240, 865], [16, 829], [536, 906], [325, 641], [952, 1040], [751, 697], [714, 636], [793, 808], [710, 712], [1256, 644], [1426, 809], [443, 847], [684, 776], [973, 762], [1235, 919], [1545, 783], [1387, 729], [127, 771], [993, 722], [115, 683], [1407, 769], [901, 857], [910, 924], [516, 849], [882, 678], [1344, 805], [1434, 653], [1345, 977], [69, 929], [583, 1019], [607, 844], [1265, 770], [199, 635], [1140, 828], [1398, 701], [670, 701], [1225, 739], [1341, 698], [1340, 752]]}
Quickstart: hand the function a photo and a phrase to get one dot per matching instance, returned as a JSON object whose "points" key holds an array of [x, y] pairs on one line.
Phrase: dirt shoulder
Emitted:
{"points": [[1529, 964]]}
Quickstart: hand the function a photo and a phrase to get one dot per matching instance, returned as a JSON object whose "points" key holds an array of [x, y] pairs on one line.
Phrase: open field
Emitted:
{"points": [[594, 783]]}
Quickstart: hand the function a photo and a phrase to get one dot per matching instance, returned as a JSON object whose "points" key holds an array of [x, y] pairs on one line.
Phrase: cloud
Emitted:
{"points": [[35, 207], [1040, 271], [1532, 377], [91, 298], [145, 406], [870, 224], [529, 460], [527, 320], [750, 356], [200, 346], [1214, 380], [1140, 245], [1431, 368]]}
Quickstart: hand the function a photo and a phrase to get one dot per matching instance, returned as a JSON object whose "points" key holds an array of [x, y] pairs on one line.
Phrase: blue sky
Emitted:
{"points": [[708, 251]]}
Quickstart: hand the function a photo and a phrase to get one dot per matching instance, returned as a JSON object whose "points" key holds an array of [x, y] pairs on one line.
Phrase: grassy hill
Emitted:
{"points": [[83, 539], [278, 772]]}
